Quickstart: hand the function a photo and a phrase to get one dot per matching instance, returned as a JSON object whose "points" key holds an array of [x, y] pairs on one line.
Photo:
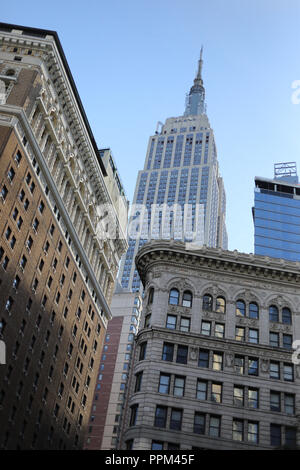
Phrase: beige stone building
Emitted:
{"points": [[214, 366], [58, 267]]}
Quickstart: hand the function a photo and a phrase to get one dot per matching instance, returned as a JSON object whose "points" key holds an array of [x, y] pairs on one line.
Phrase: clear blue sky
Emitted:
{"points": [[133, 62]]}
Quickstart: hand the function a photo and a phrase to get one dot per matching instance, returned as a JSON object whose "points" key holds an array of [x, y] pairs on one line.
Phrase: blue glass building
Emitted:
{"points": [[276, 214]]}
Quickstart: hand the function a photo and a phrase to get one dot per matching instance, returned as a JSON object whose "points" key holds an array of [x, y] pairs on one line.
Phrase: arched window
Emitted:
{"points": [[207, 303], [286, 316], [273, 313], [221, 305], [187, 299], [174, 297], [240, 308], [253, 310], [151, 296]]}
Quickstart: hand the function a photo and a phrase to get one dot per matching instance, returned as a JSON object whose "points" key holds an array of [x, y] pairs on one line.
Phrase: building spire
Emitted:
{"points": [[195, 102], [200, 63]]}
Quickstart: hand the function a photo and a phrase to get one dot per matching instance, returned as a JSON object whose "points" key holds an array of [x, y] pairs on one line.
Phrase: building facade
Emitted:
{"points": [[179, 193], [214, 365], [110, 395], [57, 269], [276, 214]]}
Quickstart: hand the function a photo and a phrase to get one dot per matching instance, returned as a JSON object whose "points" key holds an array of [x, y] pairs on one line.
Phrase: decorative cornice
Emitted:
{"points": [[216, 260]]}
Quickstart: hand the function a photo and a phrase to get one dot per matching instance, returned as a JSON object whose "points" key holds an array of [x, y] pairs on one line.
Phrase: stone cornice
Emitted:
{"points": [[216, 260]]}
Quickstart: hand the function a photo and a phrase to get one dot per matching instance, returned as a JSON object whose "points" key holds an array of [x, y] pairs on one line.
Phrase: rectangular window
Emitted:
{"points": [[239, 333], [253, 398], [274, 339], [143, 348], [287, 341], [275, 434], [289, 404], [238, 396], [214, 426], [185, 324], [253, 432], [203, 358], [164, 383], [179, 385], [168, 352], [201, 392], [216, 392], [252, 366], [176, 419], [182, 354], [253, 336], [206, 328], [274, 401], [133, 416], [288, 372], [199, 423], [217, 361], [274, 370], [237, 430], [160, 416], [219, 330], [171, 322]]}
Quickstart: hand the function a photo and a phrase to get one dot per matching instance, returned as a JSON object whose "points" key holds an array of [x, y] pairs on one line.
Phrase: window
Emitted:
{"points": [[199, 423], [176, 419], [274, 339], [35, 224], [157, 445], [274, 401], [239, 364], [143, 348], [203, 358], [4, 192], [182, 354], [219, 330], [289, 404], [253, 336], [239, 333], [147, 320], [179, 385], [214, 426], [216, 392], [253, 398], [185, 324], [275, 434], [138, 381], [160, 416], [171, 322], [187, 299], [174, 297], [287, 341], [240, 309], [41, 207], [274, 370], [253, 310], [201, 392], [290, 437], [220, 305], [164, 383], [217, 361], [207, 303], [5, 263], [286, 316], [206, 328], [13, 242], [252, 366], [253, 432], [238, 396], [151, 295], [288, 372], [168, 352], [273, 313], [237, 430], [15, 213]]}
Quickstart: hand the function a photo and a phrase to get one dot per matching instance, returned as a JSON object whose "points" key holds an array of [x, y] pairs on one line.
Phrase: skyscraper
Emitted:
{"points": [[179, 186], [57, 271], [276, 213]]}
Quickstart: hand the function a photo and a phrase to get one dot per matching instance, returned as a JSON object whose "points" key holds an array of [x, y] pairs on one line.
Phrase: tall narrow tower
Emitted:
{"points": [[179, 186]]}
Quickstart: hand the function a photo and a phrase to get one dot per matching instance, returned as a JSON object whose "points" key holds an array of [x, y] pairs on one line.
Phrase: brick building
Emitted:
{"points": [[57, 269]]}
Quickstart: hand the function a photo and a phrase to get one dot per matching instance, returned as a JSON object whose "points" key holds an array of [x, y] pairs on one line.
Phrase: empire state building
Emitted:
{"points": [[181, 172]]}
